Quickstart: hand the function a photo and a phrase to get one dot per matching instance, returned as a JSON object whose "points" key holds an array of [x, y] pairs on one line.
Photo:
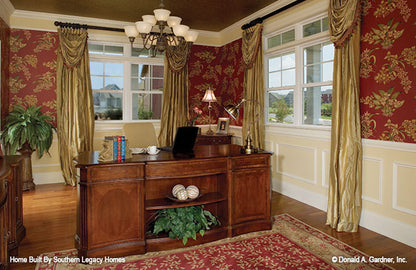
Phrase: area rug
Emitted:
{"points": [[291, 244]]}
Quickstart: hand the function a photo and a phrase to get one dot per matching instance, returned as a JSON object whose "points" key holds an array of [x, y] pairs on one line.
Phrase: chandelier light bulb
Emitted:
{"points": [[161, 14], [131, 31], [149, 19], [180, 30], [174, 20], [143, 27], [191, 36]]}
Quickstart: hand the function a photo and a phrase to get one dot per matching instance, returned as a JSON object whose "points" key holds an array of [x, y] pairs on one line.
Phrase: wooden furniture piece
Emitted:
{"points": [[203, 139], [4, 173], [12, 230], [117, 201]]}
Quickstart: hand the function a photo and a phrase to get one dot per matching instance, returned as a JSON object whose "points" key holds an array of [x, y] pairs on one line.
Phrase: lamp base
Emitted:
{"points": [[210, 132]]}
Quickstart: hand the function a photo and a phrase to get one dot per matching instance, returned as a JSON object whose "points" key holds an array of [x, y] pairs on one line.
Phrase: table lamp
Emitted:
{"points": [[234, 111], [209, 97]]}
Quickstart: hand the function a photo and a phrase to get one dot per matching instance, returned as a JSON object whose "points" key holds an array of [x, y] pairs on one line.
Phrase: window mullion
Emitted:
{"points": [[298, 93], [127, 112]]}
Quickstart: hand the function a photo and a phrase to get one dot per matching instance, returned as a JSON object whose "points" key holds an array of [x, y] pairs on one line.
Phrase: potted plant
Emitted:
{"points": [[184, 222], [27, 130]]}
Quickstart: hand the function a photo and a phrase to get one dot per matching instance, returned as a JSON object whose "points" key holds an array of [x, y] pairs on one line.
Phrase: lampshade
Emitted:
{"points": [[233, 110], [191, 36], [173, 20], [143, 27], [209, 96], [180, 30], [161, 14], [149, 19], [131, 31]]}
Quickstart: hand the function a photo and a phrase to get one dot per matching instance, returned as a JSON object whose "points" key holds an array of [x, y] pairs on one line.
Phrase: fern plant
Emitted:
{"points": [[27, 126], [184, 222]]}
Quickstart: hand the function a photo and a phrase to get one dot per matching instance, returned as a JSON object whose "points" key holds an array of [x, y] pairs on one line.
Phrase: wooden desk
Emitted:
{"points": [[12, 230], [117, 201], [204, 139]]}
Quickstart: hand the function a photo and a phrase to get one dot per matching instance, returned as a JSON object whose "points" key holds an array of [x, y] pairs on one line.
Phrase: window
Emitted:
{"points": [[299, 78], [281, 39], [127, 84]]}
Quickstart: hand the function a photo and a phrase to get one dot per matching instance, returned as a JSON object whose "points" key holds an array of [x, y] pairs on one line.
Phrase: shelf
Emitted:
{"points": [[164, 203]]}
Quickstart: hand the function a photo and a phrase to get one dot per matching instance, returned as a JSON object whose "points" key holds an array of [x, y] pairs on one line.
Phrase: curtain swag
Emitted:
{"points": [[343, 16], [72, 44], [251, 43]]}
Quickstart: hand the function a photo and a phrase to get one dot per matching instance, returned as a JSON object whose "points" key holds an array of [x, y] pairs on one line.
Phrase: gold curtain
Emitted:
{"points": [[175, 93], [345, 175], [253, 84], [75, 111]]}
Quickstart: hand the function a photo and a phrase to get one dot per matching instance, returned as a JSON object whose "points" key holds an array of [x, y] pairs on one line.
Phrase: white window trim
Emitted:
{"points": [[298, 44], [126, 92]]}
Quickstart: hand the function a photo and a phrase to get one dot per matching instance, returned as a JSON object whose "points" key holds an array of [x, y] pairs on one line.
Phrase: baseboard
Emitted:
{"points": [[48, 178], [386, 226]]}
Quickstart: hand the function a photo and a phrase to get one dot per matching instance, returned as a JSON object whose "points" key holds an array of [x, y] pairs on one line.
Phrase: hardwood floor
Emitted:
{"points": [[50, 216]]}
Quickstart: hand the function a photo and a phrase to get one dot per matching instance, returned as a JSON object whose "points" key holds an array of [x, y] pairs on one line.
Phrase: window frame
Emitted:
{"points": [[298, 45], [127, 60]]}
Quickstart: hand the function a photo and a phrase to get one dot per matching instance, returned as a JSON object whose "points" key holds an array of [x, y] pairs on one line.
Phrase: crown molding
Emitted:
{"points": [[6, 10]]}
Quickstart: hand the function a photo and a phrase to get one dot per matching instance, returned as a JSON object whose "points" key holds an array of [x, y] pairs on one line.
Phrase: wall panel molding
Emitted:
{"points": [[378, 200], [396, 166]]}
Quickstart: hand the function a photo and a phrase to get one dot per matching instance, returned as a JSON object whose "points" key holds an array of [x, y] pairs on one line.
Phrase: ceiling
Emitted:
{"points": [[209, 15]]}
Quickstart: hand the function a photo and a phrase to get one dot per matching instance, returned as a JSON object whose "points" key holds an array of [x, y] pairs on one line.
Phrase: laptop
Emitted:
{"points": [[184, 141]]}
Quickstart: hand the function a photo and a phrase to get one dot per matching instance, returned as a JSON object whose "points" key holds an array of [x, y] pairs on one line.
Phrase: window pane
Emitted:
{"points": [[312, 28], [275, 79], [113, 50], [97, 68], [288, 77], [97, 82], [113, 83], [275, 64], [288, 36], [107, 106], [114, 69], [157, 84], [327, 71], [288, 61], [157, 71], [137, 84], [274, 41], [325, 25], [280, 106], [312, 74], [95, 49], [312, 54], [142, 52], [146, 106], [318, 105], [327, 52]]}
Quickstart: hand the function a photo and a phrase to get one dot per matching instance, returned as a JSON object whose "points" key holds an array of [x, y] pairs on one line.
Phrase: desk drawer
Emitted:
{"points": [[113, 172], [186, 168], [250, 161]]}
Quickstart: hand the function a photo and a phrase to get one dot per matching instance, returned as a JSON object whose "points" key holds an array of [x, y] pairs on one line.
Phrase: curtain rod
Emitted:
{"points": [[86, 26], [261, 19]]}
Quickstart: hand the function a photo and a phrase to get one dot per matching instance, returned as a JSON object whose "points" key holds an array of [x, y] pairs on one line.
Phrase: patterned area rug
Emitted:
{"points": [[291, 244]]}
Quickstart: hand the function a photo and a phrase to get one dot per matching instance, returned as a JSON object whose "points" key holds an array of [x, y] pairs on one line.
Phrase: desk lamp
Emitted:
{"points": [[209, 97], [234, 111]]}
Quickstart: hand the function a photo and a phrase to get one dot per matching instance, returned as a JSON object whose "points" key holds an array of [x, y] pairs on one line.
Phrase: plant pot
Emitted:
{"points": [[27, 177]]}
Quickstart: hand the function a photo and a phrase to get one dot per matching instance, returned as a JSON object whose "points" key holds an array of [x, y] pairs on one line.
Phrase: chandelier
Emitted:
{"points": [[161, 31]]}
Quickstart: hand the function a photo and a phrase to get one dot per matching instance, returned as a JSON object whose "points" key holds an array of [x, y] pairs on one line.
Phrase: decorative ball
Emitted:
{"points": [[192, 191], [176, 188], [182, 195]]}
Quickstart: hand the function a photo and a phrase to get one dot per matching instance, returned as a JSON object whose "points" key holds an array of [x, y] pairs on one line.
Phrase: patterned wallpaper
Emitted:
{"points": [[32, 71], [4, 52], [388, 70], [221, 69]]}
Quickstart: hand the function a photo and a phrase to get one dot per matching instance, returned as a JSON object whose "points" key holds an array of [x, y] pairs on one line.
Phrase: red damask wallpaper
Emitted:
{"points": [[388, 70], [220, 68], [4, 68], [32, 71]]}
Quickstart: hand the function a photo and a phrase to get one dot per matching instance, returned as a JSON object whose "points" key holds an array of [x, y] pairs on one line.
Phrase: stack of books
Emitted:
{"points": [[119, 147]]}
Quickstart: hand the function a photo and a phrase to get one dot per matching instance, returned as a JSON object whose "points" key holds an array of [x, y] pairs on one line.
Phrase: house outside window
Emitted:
{"points": [[127, 84], [299, 75]]}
